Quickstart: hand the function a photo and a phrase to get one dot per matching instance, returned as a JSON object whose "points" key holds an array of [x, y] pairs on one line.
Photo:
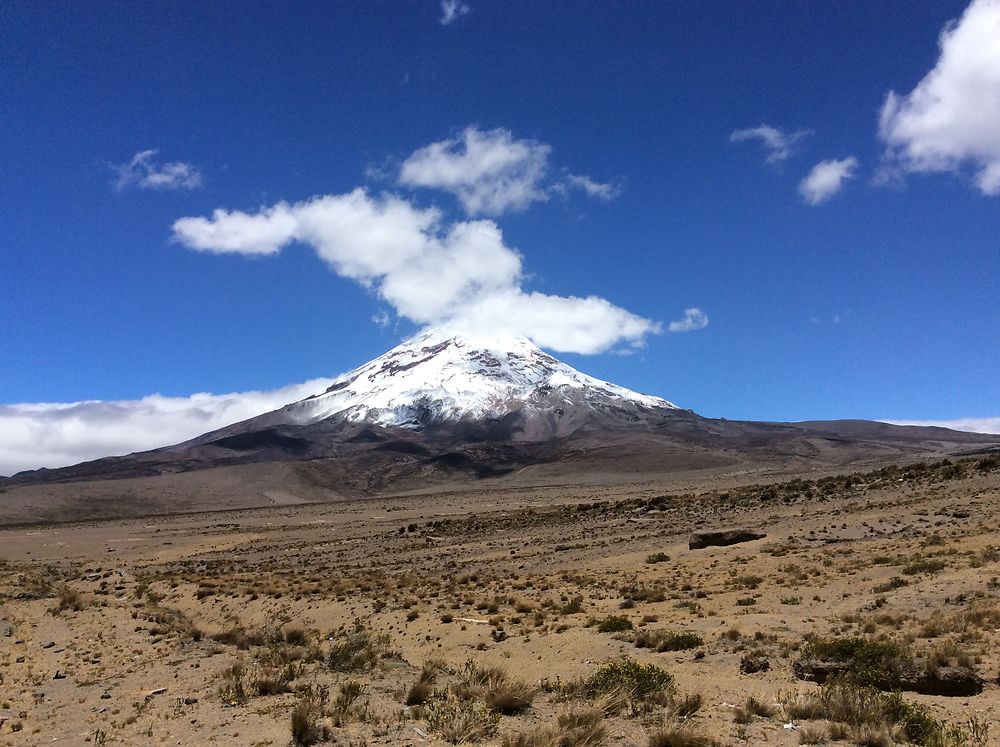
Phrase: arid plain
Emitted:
{"points": [[559, 615]]}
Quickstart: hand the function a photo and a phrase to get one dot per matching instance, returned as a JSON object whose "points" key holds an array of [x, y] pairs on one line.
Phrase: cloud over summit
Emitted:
{"points": [[429, 271]]}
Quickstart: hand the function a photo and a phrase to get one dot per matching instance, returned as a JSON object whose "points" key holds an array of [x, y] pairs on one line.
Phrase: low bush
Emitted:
{"points": [[667, 640], [614, 624], [638, 681]]}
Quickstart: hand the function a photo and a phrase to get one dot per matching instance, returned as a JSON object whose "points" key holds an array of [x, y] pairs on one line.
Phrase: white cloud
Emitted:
{"points": [[145, 173], [826, 179], [952, 117], [694, 318], [57, 435], [566, 323], [780, 145], [598, 190], [973, 425], [452, 10], [459, 274], [489, 171]]}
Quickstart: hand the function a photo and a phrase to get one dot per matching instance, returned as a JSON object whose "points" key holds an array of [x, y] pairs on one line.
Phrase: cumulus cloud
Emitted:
{"points": [[59, 434], [565, 323], [952, 118], [429, 271], [694, 318], [452, 10], [491, 172], [973, 425], [826, 179], [144, 172], [780, 145]]}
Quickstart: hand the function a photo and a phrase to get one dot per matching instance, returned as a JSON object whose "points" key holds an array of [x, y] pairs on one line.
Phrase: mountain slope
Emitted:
{"points": [[439, 409]]}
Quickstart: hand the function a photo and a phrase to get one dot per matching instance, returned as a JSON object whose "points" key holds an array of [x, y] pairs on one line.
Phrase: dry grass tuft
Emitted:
{"points": [[679, 736]]}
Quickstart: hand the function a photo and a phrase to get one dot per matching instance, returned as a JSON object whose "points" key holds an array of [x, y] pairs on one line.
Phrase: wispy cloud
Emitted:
{"points": [[779, 144], [694, 319], [144, 172], [973, 425], [431, 272], [60, 434], [952, 117], [826, 179], [491, 172], [606, 191], [452, 10]]}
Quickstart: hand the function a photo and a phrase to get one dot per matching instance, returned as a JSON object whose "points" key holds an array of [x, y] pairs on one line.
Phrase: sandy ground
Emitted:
{"points": [[106, 628]]}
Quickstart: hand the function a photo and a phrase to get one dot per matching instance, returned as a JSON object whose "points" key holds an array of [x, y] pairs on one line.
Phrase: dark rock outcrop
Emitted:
{"points": [[752, 664], [912, 676], [721, 537]]}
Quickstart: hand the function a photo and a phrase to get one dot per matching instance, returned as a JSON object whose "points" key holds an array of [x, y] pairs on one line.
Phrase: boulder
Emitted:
{"points": [[720, 537], [912, 676]]}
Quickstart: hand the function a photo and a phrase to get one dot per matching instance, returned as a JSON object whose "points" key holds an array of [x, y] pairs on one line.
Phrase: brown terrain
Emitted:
{"points": [[518, 611]]}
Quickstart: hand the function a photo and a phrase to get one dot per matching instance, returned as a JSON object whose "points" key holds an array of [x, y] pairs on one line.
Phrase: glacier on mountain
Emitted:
{"points": [[437, 377]]}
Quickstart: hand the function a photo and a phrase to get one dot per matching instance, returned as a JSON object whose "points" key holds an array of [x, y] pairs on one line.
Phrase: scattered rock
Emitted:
{"points": [[58, 675], [721, 537], [50, 644], [190, 701]]}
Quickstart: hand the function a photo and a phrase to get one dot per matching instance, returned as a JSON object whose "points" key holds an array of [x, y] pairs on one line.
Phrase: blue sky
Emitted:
{"points": [[867, 288]]}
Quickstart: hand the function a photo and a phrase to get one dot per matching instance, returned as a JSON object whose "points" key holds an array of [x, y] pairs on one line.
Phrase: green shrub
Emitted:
{"points": [[614, 624], [638, 680]]}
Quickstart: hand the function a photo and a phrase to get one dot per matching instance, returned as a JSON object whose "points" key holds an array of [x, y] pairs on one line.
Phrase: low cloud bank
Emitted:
{"points": [[60, 434], [972, 425]]}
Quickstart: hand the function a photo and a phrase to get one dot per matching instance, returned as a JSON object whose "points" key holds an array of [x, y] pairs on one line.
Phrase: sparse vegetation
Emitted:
{"points": [[667, 640]]}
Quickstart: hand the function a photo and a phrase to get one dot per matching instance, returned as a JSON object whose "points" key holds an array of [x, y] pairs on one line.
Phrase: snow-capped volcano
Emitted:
{"points": [[442, 408], [435, 378]]}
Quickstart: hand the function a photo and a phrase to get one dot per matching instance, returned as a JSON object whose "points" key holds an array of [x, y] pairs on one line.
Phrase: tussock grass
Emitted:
{"points": [[582, 727], [667, 640]]}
